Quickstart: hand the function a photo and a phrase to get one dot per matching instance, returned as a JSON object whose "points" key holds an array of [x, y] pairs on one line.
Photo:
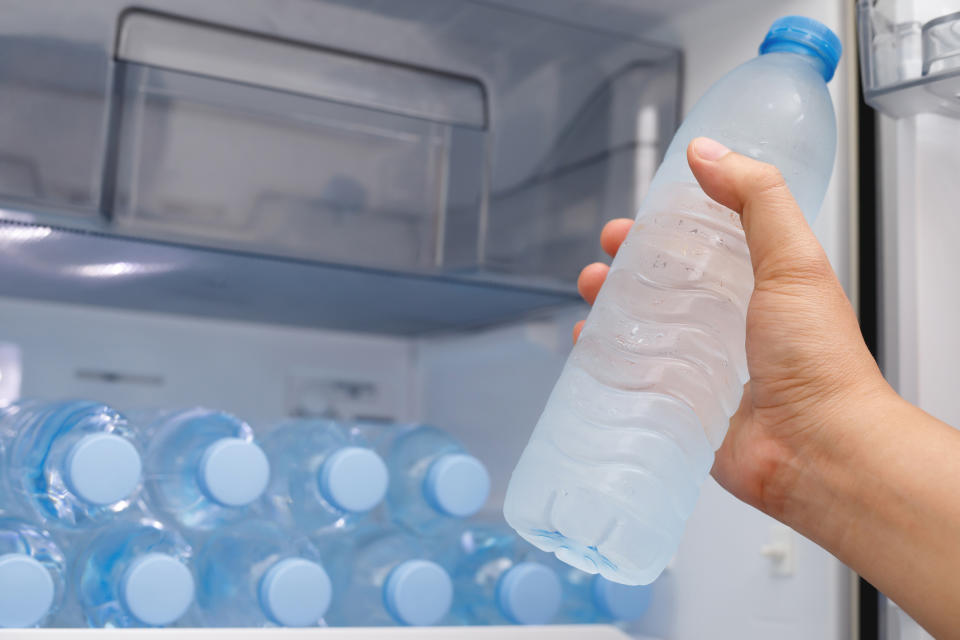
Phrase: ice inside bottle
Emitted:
{"points": [[615, 463]]}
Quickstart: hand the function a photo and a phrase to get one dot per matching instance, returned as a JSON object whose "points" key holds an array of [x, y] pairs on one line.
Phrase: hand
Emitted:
{"points": [[807, 360], [820, 441]]}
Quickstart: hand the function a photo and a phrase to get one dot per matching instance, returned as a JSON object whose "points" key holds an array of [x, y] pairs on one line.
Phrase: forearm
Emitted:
{"points": [[880, 489]]}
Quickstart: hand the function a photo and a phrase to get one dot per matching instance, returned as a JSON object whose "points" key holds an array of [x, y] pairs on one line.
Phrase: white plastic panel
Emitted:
{"points": [[261, 373]]}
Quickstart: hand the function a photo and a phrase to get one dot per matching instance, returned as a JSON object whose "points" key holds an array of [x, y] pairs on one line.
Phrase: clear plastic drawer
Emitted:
{"points": [[333, 157]]}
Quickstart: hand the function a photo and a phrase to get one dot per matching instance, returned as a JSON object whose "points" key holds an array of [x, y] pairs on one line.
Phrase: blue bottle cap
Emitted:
{"points": [[233, 472], [620, 601], [418, 593], [295, 592], [456, 485], [157, 589], [354, 479], [805, 35], [26, 591], [102, 468], [529, 593]]}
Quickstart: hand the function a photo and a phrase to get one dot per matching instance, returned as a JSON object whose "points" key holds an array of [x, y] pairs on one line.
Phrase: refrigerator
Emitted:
{"points": [[377, 209], [909, 59]]}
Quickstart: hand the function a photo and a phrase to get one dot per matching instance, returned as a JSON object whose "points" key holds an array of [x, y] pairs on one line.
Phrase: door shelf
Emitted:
{"points": [[49, 263], [909, 57]]}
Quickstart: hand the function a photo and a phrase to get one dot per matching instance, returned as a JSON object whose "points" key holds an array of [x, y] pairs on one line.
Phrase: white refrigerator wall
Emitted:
{"points": [[261, 373], [489, 387]]}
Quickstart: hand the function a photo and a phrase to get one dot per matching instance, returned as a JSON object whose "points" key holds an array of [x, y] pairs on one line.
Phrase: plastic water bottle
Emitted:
{"points": [[393, 583], [500, 578], [614, 466], [202, 468], [434, 482], [592, 599], [75, 464], [256, 574], [135, 573], [32, 574], [323, 478]]}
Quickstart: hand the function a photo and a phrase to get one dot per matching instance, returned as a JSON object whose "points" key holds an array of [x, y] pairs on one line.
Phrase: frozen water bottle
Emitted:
{"points": [[323, 478], [256, 574], [500, 579], [434, 482], [135, 573], [393, 582], [32, 573], [75, 464], [592, 599], [615, 463], [202, 468]]}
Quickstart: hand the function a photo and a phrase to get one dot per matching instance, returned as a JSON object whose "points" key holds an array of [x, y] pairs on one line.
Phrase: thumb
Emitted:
{"points": [[781, 242]]}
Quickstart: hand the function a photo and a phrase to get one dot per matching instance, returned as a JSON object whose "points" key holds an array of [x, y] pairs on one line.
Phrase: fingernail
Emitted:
{"points": [[708, 149]]}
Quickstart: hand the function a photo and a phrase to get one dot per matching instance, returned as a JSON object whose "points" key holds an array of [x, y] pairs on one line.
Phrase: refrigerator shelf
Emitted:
{"points": [[49, 263], [939, 93], [909, 57], [581, 632]]}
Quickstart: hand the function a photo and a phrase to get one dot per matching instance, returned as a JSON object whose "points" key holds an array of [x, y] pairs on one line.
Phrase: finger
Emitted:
{"points": [[775, 229], [591, 279], [613, 235], [577, 328]]}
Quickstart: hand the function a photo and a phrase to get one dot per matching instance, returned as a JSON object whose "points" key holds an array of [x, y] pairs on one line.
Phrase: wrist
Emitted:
{"points": [[817, 473]]}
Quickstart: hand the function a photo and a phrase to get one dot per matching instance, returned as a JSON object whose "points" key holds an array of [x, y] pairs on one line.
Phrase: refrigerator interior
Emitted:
{"points": [[144, 273]]}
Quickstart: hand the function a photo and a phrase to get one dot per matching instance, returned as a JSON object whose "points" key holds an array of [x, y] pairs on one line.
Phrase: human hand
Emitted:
{"points": [[808, 364]]}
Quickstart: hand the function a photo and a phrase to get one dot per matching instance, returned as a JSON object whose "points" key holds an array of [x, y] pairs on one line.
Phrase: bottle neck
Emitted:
{"points": [[804, 53]]}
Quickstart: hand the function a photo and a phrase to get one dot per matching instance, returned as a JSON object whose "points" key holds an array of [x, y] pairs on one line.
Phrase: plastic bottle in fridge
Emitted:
{"points": [[32, 573], [324, 478], [257, 574], [434, 481], [74, 464], [499, 578], [614, 465], [202, 468], [592, 599], [135, 573], [393, 582]]}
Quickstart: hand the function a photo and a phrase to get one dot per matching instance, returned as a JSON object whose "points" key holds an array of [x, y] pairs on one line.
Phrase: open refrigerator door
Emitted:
{"points": [[373, 212], [910, 52]]}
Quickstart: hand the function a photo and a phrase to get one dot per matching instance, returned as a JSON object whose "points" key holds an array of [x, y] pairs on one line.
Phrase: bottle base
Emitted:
{"points": [[619, 548]]}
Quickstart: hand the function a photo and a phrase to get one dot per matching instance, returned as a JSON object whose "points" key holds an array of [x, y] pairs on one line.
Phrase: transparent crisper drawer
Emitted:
{"points": [[910, 55], [336, 171]]}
